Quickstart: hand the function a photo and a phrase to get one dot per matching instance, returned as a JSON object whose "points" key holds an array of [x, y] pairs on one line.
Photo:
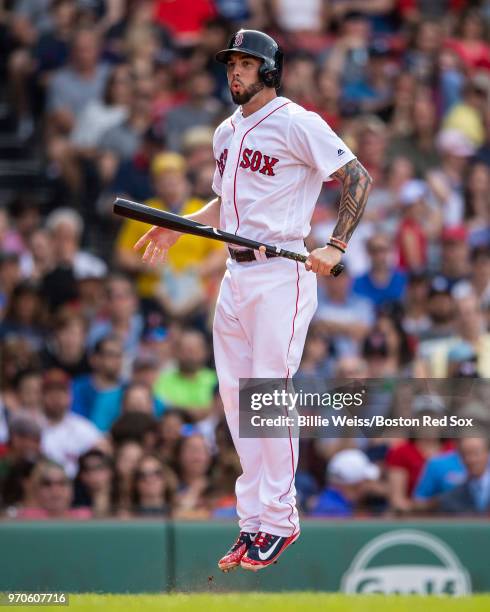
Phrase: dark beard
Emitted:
{"points": [[248, 94]]}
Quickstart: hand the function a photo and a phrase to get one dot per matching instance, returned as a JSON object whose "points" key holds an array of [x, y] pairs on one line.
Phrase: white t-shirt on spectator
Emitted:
{"points": [[65, 441], [294, 16]]}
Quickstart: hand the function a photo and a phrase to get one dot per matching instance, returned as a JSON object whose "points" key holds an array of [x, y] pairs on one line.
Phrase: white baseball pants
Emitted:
{"points": [[262, 316]]}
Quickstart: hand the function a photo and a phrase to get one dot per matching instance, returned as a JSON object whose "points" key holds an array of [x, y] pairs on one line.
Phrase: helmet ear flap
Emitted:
{"points": [[269, 75]]}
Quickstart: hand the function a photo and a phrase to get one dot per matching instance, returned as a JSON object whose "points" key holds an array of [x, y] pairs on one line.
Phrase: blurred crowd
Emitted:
{"points": [[108, 395]]}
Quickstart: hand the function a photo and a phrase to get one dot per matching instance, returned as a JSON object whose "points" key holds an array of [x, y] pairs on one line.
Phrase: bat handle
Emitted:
{"points": [[335, 271]]}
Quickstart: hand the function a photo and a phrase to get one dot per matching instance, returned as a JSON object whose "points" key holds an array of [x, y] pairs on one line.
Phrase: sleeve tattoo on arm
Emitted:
{"points": [[356, 186]]}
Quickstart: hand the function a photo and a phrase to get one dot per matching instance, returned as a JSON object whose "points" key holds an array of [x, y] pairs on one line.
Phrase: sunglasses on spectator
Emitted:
{"points": [[49, 482], [149, 474]]}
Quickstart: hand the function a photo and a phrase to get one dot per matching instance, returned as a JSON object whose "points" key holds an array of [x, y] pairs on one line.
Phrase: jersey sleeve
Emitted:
{"points": [[314, 142], [217, 181], [217, 178]]}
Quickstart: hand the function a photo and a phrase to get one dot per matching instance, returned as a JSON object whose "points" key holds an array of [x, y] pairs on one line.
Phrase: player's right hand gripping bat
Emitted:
{"points": [[153, 216]]}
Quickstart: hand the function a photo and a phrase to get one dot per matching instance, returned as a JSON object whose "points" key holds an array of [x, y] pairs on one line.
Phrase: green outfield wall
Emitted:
{"points": [[152, 556]]}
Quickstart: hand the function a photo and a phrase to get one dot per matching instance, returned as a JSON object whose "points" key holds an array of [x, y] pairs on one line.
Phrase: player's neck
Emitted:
{"points": [[262, 98]]}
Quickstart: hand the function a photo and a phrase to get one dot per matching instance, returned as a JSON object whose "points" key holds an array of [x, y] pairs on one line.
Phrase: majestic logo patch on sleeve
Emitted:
{"points": [[221, 162], [340, 152], [257, 161]]}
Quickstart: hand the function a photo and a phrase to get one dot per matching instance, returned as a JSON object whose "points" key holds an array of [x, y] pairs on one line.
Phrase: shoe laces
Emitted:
{"points": [[243, 538], [262, 539]]}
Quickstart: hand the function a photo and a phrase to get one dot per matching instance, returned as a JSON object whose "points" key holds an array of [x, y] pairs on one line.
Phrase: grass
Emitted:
{"points": [[272, 602]]}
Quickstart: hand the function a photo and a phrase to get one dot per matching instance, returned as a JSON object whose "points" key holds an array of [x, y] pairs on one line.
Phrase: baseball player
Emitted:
{"points": [[272, 157]]}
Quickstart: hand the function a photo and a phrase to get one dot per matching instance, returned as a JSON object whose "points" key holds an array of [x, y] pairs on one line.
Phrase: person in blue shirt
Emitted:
{"points": [[349, 476], [98, 395], [441, 474], [473, 495], [383, 283]]}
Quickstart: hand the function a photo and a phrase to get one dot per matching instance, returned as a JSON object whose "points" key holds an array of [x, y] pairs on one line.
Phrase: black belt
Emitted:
{"points": [[243, 255]]}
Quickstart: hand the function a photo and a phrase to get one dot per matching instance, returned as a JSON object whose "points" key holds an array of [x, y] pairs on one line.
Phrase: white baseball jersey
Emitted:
{"points": [[270, 169]]}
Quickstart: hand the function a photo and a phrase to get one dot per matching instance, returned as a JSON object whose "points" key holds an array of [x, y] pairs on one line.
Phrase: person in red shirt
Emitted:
{"points": [[184, 18], [419, 223], [406, 460], [470, 43]]}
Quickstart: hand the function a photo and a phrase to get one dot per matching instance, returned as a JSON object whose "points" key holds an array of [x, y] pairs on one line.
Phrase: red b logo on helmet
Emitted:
{"points": [[238, 39]]}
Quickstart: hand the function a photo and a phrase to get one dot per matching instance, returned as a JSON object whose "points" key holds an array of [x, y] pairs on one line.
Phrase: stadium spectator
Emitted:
{"points": [[476, 215], [170, 434], [66, 435], [66, 228], [65, 347], [24, 444], [418, 145], [200, 109], [342, 315], [28, 391], [383, 283], [24, 315], [121, 316], [416, 320], [138, 397], [419, 223], [472, 497], [189, 385], [97, 396], [350, 476], [405, 461], [101, 115], [127, 456], [153, 488], [94, 484], [124, 138], [193, 463], [52, 495], [75, 86], [180, 290], [441, 474]]}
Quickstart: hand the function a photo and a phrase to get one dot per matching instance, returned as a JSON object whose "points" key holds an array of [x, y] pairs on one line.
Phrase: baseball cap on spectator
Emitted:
{"points": [[56, 378], [167, 162], [91, 270], [413, 191], [455, 142], [439, 285], [379, 48], [454, 233], [196, 137], [375, 345], [25, 427], [351, 466]]}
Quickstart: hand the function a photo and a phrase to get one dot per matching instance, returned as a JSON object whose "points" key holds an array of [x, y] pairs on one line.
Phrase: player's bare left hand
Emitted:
{"points": [[158, 240], [322, 260]]}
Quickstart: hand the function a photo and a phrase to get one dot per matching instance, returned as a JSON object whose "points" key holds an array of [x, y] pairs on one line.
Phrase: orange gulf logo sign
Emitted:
{"points": [[238, 39]]}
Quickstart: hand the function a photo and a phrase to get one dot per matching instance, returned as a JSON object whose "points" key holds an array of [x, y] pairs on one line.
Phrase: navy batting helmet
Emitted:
{"points": [[262, 46]]}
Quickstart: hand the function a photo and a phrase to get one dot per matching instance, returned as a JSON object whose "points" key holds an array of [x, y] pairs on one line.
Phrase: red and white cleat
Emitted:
{"points": [[266, 550], [234, 555]]}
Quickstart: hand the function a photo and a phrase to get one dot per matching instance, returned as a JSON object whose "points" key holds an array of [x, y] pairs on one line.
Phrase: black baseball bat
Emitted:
{"points": [[153, 216]]}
